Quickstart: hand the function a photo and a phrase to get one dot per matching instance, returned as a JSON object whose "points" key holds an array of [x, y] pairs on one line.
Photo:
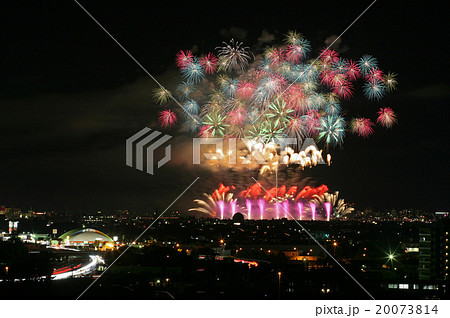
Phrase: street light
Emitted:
{"points": [[391, 257], [222, 243], [279, 285]]}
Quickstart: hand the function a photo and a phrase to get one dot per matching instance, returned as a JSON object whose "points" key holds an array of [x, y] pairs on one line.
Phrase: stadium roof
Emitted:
{"points": [[86, 235]]}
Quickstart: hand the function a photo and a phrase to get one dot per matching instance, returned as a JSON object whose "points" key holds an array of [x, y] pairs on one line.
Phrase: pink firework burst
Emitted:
{"points": [[296, 127], [295, 99], [167, 118], [237, 117], [326, 77], [329, 56], [375, 75], [312, 122], [362, 126], [184, 58], [274, 55], [353, 70], [205, 131], [338, 79], [295, 53], [245, 90], [344, 90], [386, 117], [209, 63]]}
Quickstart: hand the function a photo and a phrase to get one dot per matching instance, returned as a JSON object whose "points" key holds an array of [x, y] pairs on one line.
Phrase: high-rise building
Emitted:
{"points": [[13, 227], [444, 259], [433, 251]]}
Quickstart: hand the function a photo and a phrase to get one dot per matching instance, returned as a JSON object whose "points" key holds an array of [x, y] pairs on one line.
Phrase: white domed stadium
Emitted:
{"points": [[85, 236]]}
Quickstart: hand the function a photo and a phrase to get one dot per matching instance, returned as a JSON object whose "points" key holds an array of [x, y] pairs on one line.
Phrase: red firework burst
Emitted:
{"points": [[184, 58], [245, 90], [386, 117], [209, 63], [167, 118], [362, 126]]}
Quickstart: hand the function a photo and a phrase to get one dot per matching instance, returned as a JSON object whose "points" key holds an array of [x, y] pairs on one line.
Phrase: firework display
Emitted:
{"points": [[256, 202], [167, 118], [386, 117], [283, 92], [361, 126]]}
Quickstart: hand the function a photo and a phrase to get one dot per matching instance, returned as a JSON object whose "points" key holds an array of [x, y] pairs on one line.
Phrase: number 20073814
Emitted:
{"points": [[406, 309]]}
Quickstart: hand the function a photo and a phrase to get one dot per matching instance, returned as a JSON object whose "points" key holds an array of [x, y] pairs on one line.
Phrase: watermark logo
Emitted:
{"points": [[258, 151], [144, 140], [140, 149]]}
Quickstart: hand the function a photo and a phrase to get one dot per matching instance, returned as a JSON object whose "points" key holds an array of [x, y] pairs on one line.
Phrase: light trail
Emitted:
{"points": [[90, 268]]}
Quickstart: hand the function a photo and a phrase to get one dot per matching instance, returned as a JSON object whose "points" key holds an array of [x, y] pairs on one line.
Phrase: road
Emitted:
{"points": [[78, 270]]}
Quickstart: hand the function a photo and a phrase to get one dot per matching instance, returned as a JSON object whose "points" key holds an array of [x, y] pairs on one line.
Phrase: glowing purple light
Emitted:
{"points": [[277, 209], [300, 209], [221, 205], [286, 209], [248, 204], [328, 209], [313, 211], [261, 205]]}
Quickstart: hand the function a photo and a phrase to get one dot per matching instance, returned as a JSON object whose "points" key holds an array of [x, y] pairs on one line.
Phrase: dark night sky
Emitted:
{"points": [[69, 98]]}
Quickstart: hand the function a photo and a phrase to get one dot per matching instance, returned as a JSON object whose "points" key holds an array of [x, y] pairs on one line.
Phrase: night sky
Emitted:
{"points": [[70, 97]]}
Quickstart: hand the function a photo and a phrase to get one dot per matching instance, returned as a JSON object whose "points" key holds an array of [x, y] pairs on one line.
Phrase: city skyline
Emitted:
{"points": [[220, 151]]}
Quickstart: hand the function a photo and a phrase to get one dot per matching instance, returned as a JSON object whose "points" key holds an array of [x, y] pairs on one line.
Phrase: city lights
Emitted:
{"points": [[225, 151]]}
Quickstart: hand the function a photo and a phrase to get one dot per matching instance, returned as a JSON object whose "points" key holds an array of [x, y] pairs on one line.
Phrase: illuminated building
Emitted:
{"points": [[13, 226], [433, 251], [86, 237]]}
